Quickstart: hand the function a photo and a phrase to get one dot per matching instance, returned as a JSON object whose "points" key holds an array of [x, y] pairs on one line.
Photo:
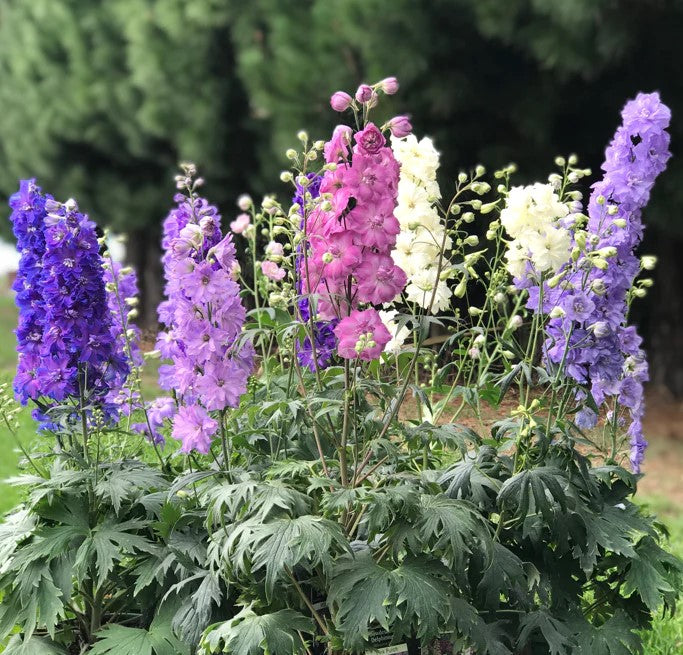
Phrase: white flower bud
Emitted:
{"points": [[472, 240], [515, 322], [302, 135], [479, 340], [557, 312], [474, 311], [499, 298], [462, 177], [648, 262], [619, 222], [560, 161], [479, 170], [286, 176], [290, 153], [244, 202], [468, 217], [474, 353]]}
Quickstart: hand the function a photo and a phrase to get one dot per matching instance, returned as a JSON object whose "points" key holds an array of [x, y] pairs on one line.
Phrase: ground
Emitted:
{"points": [[661, 487]]}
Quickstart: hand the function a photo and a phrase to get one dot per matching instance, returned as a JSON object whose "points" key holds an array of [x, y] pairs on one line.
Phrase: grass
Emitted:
{"points": [[666, 637]]}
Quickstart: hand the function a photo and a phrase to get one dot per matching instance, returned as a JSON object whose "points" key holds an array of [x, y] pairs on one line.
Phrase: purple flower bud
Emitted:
{"points": [[364, 93], [370, 140], [340, 101], [400, 126], [389, 85]]}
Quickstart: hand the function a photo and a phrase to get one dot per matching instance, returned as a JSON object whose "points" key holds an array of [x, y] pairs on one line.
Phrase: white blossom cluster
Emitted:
{"points": [[532, 217], [422, 235]]}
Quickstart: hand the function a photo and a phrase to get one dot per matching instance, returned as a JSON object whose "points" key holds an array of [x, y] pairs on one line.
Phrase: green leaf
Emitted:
{"points": [[117, 639], [535, 490], [124, 480], [452, 528], [476, 478], [110, 542], [615, 637], [649, 575], [556, 633], [19, 645], [120, 640], [282, 544], [503, 575], [420, 593], [251, 634], [359, 595]]}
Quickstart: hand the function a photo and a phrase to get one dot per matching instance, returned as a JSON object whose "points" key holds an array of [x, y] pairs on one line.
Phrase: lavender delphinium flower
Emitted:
{"points": [[590, 333], [65, 341], [203, 315]]}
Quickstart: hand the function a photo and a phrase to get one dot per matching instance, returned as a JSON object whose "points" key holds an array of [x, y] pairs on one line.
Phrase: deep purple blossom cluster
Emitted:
{"points": [[319, 352], [65, 341], [204, 315], [592, 337]]}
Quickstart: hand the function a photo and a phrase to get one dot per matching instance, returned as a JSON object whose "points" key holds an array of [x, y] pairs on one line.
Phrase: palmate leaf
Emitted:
{"points": [[651, 574], [476, 478], [19, 645], [16, 527], [248, 633], [413, 598], [615, 637], [194, 613], [282, 544], [538, 490], [359, 595], [487, 637], [121, 640], [557, 634], [124, 480], [158, 640], [257, 499], [420, 591], [110, 542], [452, 528], [503, 574]]}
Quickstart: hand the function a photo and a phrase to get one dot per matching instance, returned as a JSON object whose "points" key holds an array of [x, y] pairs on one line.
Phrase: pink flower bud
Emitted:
{"points": [[364, 93], [340, 101], [272, 271], [400, 126], [240, 224], [389, 85]]}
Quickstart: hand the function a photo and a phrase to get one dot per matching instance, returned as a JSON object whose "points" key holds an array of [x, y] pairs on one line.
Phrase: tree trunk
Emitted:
{"points": [[144, 254], [662, 315]]}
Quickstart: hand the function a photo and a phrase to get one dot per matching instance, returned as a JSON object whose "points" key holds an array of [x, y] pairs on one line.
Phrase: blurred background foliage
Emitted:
{"points": [[100, 99]]}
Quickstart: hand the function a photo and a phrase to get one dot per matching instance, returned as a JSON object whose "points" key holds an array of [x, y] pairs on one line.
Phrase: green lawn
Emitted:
{"points": [[665, 639]]}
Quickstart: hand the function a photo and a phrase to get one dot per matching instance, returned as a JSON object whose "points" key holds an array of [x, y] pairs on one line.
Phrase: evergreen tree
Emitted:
{"points": [[102, 98]]}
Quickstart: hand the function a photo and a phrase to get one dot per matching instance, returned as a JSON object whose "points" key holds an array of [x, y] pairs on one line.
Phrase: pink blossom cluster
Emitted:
{"points": [[204, 316], [350, 235]]}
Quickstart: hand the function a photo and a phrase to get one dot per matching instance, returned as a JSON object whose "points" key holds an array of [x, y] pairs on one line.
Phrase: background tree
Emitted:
{"points": [[102, 98]]}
